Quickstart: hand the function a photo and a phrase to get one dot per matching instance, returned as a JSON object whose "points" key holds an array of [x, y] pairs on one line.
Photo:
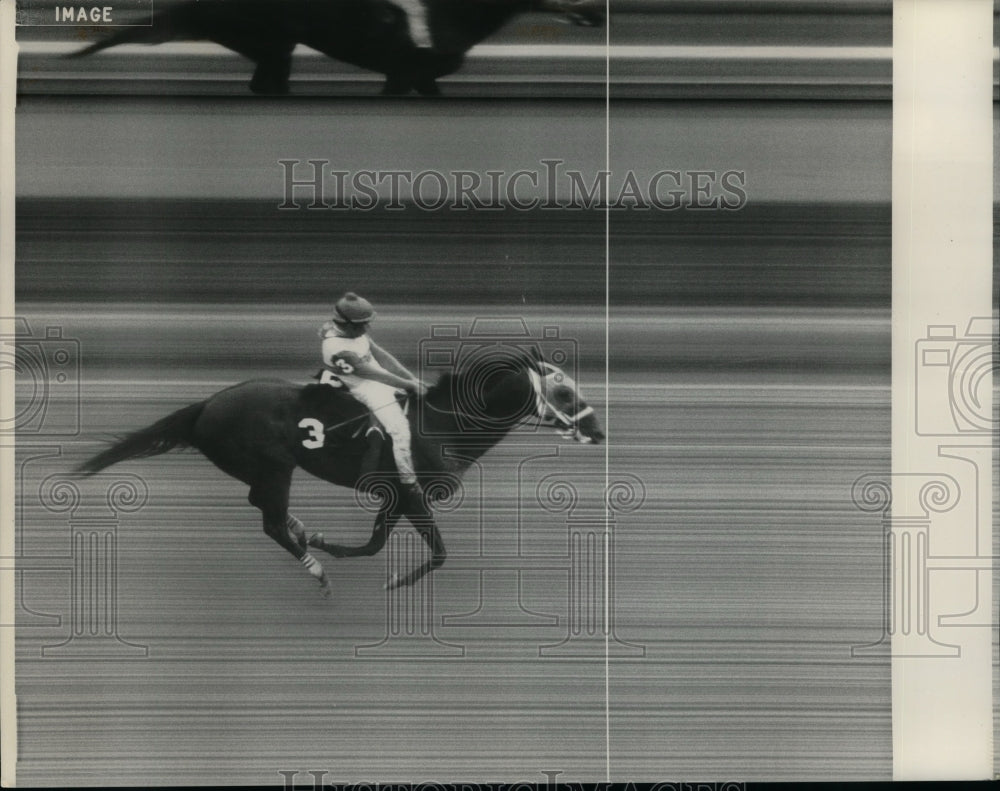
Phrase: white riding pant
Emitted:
{"points": [[416, 20], [381, 400]]}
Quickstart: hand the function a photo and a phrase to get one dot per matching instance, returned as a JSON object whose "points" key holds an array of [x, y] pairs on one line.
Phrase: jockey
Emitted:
{"points": [[416, 20], [371, 375]]}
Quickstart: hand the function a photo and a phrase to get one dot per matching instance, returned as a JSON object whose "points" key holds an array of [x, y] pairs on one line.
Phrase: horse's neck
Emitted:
{"points": [[482, 18], [503, 405]]}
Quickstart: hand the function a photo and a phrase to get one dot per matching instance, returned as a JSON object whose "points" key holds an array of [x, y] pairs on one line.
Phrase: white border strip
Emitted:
{"points": [[942, 716], [8, 702]]}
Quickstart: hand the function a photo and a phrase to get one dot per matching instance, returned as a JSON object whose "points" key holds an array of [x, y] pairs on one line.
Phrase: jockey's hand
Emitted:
{"points": [[418, 388]]}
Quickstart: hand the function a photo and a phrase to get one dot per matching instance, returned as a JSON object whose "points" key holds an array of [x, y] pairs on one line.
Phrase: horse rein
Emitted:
{"points": [[545, 408], [547, 412]]}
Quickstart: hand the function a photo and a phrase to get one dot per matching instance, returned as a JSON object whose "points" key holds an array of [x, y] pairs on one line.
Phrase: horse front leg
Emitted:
{"points": [[424, 524], [385, 521]]}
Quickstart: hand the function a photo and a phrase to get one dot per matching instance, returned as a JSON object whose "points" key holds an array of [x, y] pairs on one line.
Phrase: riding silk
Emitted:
{"points": [[341, 356]]}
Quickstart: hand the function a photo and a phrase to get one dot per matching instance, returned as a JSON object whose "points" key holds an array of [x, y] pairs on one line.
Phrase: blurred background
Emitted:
{"points": [[739, 360]]}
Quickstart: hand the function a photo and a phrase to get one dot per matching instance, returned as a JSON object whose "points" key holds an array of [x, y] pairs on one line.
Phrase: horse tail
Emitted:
{"points": [[167, 25], [128, 35], [174, 431]]}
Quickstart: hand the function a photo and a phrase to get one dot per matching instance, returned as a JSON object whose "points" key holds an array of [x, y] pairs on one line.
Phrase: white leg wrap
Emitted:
{"points": [[416, 18], [312, 565], [294, 526]]}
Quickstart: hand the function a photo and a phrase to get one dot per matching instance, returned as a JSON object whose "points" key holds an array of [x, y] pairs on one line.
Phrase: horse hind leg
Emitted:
{"points": [[284, 529], [297, 531]]}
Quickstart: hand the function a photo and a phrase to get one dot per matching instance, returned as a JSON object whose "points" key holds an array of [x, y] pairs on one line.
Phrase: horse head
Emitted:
{"points": [[560, 404], [589, 13], [495, 387]]}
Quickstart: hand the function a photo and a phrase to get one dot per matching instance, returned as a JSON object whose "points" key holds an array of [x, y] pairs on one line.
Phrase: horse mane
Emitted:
{"points": [[449, 382]]}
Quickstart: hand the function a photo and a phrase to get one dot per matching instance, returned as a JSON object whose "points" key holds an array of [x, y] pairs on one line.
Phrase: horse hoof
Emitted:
{"points": [[315, 540], [393, 583], [325, 590]]}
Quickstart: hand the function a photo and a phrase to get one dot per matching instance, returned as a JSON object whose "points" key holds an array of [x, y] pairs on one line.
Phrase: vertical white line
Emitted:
{"points": [[8, 91], [607, 384]]}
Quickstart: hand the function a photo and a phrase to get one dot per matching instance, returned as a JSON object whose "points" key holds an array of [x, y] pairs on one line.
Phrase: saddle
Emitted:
{"points": [[336, 397], [349, 425]]}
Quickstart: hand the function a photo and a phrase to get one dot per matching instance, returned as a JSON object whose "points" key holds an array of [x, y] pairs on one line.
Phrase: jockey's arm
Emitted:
{"points": [[386, 378], [390, 363], [350, 363]]}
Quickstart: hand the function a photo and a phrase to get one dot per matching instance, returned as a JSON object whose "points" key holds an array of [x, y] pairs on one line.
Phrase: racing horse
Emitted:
{"points": [[261, 430], [372, 34]]}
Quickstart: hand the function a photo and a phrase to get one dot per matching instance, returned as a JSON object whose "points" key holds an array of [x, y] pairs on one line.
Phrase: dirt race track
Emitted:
{"points": [[743, 575], [163, 638]]}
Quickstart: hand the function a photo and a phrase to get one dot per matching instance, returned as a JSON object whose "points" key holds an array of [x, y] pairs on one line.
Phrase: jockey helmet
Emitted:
{"points": [[352, 309]]}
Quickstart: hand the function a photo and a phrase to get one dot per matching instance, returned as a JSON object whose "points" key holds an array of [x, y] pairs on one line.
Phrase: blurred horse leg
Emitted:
{"points": [[425, 525], [270, 495], [385, 521]]}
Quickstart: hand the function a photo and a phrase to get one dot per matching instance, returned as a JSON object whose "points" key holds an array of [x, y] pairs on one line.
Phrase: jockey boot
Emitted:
{"points": [[412, 491]]}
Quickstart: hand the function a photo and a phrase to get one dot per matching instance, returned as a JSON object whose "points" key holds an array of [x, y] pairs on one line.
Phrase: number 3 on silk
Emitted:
{"points": [[316, 433]]}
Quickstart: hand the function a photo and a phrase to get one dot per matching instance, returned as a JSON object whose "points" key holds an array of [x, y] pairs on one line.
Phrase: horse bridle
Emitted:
{"points": [[547, 411]]}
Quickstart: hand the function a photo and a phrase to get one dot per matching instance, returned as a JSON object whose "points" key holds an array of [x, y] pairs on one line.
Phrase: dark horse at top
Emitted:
{"points": [[372, 34], [260, 431]]}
